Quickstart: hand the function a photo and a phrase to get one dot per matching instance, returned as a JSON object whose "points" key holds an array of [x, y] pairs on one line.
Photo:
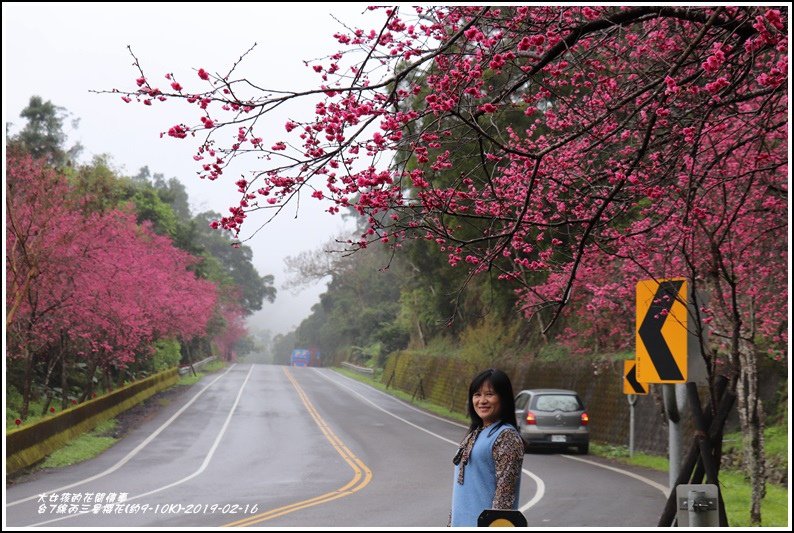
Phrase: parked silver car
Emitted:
{"points": [[552, 418]]}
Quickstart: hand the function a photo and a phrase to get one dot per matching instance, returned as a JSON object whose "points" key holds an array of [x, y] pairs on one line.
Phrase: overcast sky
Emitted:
{"points": [[62, 51]]}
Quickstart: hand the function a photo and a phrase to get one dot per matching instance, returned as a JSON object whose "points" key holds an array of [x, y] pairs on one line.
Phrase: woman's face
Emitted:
{"points": [[486, 404]]}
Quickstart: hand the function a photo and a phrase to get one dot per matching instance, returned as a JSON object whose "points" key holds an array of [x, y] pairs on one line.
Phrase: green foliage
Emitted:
{"points": [[374, 381], [552, 352], [99, 187], [14, 407], [43, 136], [369, 356], [283, 344], [245, 345], [417, 315], [149, 206], [442, 346], [167, 354], [621, 453], [235, 262], [85, 447], [174, 194], [776, 441], [736, 492], [358, 309], [190, 379], [213, 366], [390, 337], [164, 204], [489, 341]]}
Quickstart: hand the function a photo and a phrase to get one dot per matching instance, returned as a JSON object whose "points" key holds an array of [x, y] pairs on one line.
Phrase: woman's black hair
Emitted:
{"points": [[502, 387]]}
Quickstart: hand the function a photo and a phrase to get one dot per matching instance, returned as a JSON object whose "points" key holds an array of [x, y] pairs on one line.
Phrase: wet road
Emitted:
{"points": [[271, 446]]}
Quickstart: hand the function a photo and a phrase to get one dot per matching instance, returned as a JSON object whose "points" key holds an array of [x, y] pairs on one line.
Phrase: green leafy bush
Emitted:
{"points": [[167, 353]]}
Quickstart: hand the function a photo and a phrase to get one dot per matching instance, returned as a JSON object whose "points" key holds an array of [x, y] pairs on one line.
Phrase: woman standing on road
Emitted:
{"points": [[488, 462]]}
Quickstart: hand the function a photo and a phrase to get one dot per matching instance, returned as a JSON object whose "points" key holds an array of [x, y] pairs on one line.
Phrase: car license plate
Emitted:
{"points": [[558, 438]]}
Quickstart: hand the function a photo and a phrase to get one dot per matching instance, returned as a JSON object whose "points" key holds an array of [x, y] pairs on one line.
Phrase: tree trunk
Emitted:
{"points": [[542, 328], [420, 333], [190, 358], [89, 389], [64, 382], [64, 377], [751, 418], [743, 359], [21, 293], [27, 385], [49, 392]]}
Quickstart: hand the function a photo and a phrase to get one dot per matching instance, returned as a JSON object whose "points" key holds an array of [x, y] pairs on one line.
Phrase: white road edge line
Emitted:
{"points": [[132, 453], [201, 469], [662, 488], [541, 487]]}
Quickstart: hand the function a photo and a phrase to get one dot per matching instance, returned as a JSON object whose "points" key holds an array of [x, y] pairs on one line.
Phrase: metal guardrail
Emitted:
{"points": [[185, 369], [359, 369]]}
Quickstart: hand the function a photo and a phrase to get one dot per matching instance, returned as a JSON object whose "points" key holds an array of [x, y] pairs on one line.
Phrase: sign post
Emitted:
{"points": [[631, 388], [662, 350]]}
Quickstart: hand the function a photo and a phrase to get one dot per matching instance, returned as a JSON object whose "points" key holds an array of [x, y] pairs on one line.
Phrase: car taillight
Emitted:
{"points": [[585, 419], [531, 418]]}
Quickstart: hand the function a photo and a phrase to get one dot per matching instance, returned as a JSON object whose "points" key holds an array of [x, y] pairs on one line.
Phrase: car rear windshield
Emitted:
{"points": [[558, 402]]}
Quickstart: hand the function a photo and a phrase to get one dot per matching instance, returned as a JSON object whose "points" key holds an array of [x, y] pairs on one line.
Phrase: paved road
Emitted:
{"points": [[298, 447]]}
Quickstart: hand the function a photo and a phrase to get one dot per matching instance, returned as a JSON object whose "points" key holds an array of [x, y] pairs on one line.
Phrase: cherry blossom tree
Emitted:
{"points": [[94, 282], [137, 289], [41, 222], [571, 150]]}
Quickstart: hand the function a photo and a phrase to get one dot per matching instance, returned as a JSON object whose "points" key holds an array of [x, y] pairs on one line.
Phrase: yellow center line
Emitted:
{"points": [[362, 475]]}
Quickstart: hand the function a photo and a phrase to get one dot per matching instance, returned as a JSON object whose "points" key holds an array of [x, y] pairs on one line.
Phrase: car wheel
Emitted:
{"points": [[584, 448]]}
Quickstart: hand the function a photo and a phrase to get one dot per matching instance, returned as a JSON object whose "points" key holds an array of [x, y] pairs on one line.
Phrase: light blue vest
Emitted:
{"points": [[479, 480]]}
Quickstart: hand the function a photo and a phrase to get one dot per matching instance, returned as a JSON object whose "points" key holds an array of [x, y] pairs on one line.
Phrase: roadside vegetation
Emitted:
{"points": [[733, 482], [84, 447], [402, 395]]}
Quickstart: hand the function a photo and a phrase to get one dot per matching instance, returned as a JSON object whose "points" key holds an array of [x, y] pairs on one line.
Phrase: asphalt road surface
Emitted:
{"points": [[271, 446]]}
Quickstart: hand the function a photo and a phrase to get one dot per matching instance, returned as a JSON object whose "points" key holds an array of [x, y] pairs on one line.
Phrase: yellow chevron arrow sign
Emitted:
{"points": [[661, 331], [630, 383]]}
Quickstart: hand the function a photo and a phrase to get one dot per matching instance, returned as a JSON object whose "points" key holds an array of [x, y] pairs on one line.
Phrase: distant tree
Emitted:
{"points": [[282, 346], [150, 206], [99, 186], [361, 304], [236, 260], [43, 136], [174, 193]]}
